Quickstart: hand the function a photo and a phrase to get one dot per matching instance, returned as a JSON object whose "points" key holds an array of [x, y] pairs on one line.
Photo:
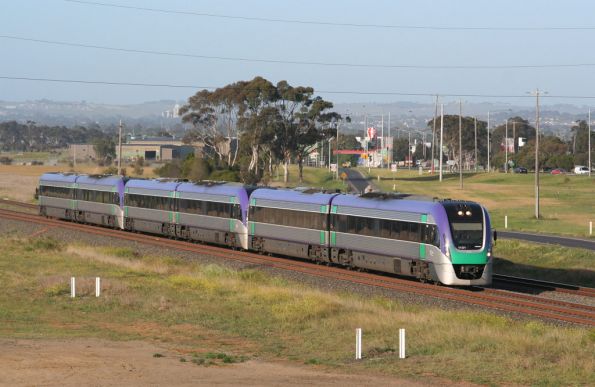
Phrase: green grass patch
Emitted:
{"points": [[221, 316], [545, 262]]}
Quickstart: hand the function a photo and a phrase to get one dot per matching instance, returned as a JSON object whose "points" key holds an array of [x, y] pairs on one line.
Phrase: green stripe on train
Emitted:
{"points": [[475, 258]]}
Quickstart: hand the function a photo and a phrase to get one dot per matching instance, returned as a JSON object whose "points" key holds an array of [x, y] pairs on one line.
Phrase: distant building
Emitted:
{"points": [[155, 151]]}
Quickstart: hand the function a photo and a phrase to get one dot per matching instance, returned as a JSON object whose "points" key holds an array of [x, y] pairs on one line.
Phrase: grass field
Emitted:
{"points": [[245, 314], [567, 203]]}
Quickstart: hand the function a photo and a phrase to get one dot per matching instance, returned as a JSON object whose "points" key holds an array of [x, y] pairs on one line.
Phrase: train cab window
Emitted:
{"points": [[429, 235]]}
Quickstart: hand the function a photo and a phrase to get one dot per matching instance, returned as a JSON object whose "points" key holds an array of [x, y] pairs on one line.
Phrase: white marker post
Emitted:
{"points": [[72, 287], [401, 343], [590, 228], [358, 343], [505, 221], [97, 286]]}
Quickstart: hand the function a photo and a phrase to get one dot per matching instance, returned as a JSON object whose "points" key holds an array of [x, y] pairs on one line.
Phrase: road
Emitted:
{"points": [[356, 180], [551, 239], [359, 183]]}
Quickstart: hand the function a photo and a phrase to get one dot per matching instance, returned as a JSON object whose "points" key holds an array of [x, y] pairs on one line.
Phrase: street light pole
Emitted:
{"points": [[589, 126]]}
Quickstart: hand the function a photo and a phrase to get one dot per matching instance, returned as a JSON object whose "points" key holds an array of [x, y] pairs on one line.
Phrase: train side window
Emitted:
{"points": [[414, 231], [385, 228]]}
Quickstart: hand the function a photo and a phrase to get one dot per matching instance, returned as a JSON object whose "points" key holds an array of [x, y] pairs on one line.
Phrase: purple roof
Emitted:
{"points": [[227, 189], [59, 177], [113, 180], [288, 195], [405, 205], [156, 184]]}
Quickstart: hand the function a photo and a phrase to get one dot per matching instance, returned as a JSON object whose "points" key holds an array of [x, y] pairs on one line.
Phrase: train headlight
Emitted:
{"points": [[468, 213], [460, 213]]}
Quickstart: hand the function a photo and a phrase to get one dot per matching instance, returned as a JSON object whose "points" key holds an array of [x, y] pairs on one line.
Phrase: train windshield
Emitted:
{"points": [[466, 225]]}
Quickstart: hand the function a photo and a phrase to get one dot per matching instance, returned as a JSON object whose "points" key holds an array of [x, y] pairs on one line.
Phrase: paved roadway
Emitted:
{"points": [[552, 239], [356, 180], [359, 183]]}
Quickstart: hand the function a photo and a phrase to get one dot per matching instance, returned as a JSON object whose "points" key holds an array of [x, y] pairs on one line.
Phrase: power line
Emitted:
{"points": [[327, 23], [278, 61], [388, 93]]}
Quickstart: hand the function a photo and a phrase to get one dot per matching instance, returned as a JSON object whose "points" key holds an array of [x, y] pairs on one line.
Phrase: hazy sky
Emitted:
{"points": [[72, 22]]}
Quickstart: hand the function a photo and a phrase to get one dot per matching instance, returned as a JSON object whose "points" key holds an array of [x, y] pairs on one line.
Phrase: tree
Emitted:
{"points": [[553, 153], [580, 143], [272, 122], [400, 148], [517, 127], [105, 148], [450, 139]]}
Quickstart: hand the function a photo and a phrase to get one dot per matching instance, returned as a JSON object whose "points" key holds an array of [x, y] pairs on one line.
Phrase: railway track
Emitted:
{"points": [[18, 204], [544, 285], [489, 298]]}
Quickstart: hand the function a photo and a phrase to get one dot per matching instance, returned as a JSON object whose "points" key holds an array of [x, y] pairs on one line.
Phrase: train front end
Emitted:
{"points": [[466, 245]]}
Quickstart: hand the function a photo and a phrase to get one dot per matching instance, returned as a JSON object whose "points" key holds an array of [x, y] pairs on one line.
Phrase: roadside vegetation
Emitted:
{"points": [[215, 315]]}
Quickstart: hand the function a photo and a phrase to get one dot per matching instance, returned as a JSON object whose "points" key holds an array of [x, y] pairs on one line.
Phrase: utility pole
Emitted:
{"points": [[434, 131], [461, 144], [389, 154], [74, 157], [120, 148], [488, 141], [441, 135], [475, 129], [337, 170], [381, 142], [536, 93], [514, 138], [589, 126], [410, 161], [506, 148]]}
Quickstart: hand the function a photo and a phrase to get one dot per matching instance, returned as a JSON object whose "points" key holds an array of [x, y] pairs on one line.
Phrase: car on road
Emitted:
{"points": [[520, 170], [581, 170], [558, 171]]}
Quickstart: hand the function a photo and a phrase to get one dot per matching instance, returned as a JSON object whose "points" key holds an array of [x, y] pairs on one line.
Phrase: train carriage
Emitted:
{"points": [[149, 206], [411, 236], [100, 199], [57, 195], [212, 212], [290, 222]]}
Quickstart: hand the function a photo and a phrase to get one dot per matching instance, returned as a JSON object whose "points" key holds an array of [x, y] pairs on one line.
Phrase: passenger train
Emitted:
{"points": [[443, 241]]}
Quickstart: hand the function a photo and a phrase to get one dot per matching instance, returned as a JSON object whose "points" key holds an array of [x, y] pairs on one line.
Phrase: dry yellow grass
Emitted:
{"points": [[18, 182]]}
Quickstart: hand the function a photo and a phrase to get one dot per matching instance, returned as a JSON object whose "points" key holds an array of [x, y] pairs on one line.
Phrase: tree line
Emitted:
{"points": [[31, 137]]}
